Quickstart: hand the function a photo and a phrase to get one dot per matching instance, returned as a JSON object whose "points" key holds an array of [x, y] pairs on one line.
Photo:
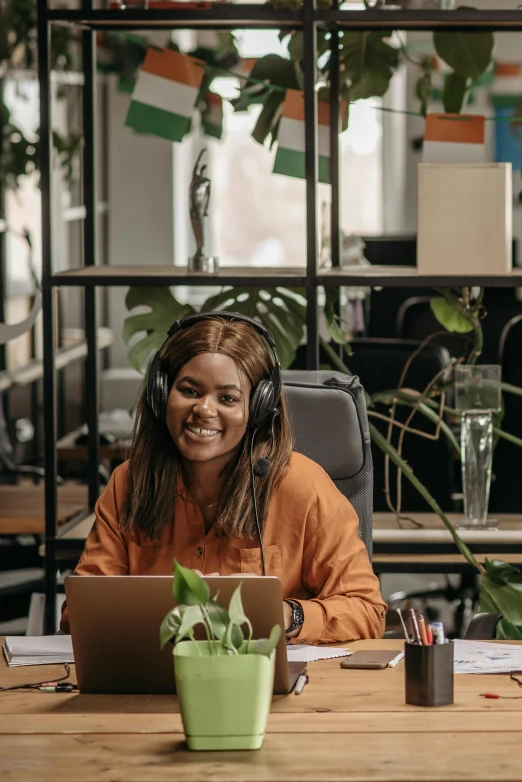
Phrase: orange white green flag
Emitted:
{"points": [[454, 138], [165, 94], [290, 155]]}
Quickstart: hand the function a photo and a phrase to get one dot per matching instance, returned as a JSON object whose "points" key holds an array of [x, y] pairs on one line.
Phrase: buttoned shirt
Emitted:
{"points": [[310, 542]]}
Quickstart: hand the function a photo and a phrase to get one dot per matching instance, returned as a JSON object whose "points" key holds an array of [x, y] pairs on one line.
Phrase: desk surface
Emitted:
{"points": [[22, 507], [347, 725], [386, 529]]}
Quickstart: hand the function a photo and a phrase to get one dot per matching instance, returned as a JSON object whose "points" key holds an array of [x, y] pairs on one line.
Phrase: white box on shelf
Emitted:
{"points": [[465, 219]]}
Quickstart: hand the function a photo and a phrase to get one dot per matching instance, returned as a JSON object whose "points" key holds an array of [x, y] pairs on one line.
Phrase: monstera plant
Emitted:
{"points": [[458, 310]]}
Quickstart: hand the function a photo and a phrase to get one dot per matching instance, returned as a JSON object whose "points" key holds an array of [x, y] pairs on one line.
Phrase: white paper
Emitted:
{"points": [[38, 650], [309, 654], [481, 657]]}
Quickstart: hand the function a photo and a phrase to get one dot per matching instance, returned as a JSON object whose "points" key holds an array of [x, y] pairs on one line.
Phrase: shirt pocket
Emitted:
{"points": [[251, 561]]}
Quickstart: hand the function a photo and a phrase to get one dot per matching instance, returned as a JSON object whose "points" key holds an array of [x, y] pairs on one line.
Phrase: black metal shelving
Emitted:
{"points": [[91, 275]]}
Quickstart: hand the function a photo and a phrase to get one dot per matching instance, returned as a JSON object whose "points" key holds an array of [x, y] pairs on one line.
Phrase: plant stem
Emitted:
{"points": [[388, 449], [385, 446]]}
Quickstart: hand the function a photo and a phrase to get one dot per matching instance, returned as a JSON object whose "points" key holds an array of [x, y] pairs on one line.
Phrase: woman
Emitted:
{"points": [[186, 489]]}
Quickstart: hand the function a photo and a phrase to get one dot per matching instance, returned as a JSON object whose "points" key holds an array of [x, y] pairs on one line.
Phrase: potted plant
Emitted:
{"points": [[224, 683]]}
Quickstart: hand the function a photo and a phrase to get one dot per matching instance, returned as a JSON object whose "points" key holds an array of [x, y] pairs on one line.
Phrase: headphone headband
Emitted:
{"points": [[190, 320]]}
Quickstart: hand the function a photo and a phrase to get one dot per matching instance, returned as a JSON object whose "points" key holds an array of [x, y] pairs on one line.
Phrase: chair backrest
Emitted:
{"points": [[379, 363], [330, 425]]}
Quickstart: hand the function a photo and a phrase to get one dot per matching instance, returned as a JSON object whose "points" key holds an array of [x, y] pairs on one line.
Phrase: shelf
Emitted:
{"points": [[252, 277], [247, 15], [408, 276], [226, 15], [73, 213], [33, 370], [459, 20]]}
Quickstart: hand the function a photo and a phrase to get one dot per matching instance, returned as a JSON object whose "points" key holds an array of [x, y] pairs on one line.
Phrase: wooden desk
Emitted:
{"points": [[347, 725], [66, 448], [22, 508], [431, 549]]}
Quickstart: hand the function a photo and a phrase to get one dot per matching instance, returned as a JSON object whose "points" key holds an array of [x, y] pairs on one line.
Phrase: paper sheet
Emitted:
{"points": [[309, 654], [482, 657], [38, 650]]}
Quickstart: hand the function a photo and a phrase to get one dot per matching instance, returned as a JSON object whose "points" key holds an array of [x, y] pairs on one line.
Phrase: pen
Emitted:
{"points": [[396, 660], [422, 628], [302, 680]]}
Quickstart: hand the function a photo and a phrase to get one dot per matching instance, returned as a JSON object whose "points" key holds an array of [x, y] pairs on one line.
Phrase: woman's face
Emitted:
{"points": [[207, 408]]}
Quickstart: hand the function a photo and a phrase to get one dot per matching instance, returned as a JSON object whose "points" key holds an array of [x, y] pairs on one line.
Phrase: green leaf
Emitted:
{"points": [[455, 88], [219, 620], [332, 319], [139, 355], [170, 626], [296, 46], [237, 618], [368, 64], [164, 310], [269, 117], [449, 317], [278, 309], [467, 53], [191, 616], [189, 589], [501, 587], [265, 645], [236, 612], [506, 631]]}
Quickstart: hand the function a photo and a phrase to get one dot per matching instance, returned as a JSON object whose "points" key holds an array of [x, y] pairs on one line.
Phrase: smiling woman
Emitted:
{"points": [[212, 481]]}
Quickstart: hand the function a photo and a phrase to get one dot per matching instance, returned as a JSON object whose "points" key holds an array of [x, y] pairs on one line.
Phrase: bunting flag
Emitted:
{"points": [[290, 155], [212, 115], [454, 138], [165, 94]]}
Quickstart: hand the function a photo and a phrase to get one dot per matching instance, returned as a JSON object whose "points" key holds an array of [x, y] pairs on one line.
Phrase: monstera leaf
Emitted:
{"points": [[164, 309], [368, 64], [279, 309]]}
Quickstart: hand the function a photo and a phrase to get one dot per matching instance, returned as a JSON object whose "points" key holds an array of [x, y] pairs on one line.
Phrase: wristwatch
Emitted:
{"points": [[297, 616]]}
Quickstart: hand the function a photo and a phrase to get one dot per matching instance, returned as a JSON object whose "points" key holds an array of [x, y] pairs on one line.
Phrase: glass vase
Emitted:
{"points": [[476, 447], [477, 397]]}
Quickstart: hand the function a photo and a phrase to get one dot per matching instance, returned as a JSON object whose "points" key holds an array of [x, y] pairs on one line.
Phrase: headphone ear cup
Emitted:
{"points": [[261, 404], [157, 394]]}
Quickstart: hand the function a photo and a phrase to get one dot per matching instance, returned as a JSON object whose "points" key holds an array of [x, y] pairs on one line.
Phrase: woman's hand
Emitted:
{"points": [[204, 575]]}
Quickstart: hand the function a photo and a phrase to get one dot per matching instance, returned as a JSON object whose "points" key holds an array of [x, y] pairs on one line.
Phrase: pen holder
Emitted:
{"points": [[428, 672]]}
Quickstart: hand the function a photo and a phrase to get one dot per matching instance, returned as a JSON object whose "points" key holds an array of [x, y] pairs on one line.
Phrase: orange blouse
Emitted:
{"points": [[310, 541]]}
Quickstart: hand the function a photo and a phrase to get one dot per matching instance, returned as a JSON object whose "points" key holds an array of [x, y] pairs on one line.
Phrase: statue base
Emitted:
{"points": [[203, 264]]}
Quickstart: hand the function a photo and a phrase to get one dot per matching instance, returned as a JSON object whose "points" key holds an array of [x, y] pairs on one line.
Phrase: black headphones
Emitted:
{"points": [[265, 396]]}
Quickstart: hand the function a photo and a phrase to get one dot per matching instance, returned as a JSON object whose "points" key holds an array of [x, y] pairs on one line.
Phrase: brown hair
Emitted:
{"points": [[155, 461]]}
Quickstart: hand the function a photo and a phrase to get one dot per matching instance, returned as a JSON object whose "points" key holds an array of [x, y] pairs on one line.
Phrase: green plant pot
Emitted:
{"points": [[224, 699]]}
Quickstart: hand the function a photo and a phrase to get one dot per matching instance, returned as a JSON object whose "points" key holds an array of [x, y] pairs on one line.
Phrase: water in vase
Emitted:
{"points": [[476, 444]]}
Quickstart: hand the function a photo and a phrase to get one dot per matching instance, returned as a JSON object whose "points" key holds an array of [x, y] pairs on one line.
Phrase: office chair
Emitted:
{"points": [[506, 489], [379, 363], [330, 425]]}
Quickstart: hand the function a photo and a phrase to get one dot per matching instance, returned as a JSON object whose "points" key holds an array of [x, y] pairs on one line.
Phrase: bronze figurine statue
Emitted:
{"points": [[199, 197]]}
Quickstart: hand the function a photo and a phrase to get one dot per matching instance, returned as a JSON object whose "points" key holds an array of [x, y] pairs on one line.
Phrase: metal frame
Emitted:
{"points": [[226, 16]]}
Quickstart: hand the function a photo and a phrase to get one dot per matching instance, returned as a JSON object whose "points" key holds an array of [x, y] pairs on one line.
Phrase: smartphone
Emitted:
{"points": [[373, 659]]}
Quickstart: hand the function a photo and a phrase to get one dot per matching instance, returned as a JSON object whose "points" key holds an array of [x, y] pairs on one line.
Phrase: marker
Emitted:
{"points": [[396, 660], [302, 680], [415, 625]]}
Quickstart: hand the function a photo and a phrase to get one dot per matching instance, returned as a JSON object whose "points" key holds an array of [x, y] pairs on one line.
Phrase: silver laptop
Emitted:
{"points": [[115, 623]]}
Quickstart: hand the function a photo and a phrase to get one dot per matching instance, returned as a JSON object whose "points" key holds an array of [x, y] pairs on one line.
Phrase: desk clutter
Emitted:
{"points": [[38, 650]]}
